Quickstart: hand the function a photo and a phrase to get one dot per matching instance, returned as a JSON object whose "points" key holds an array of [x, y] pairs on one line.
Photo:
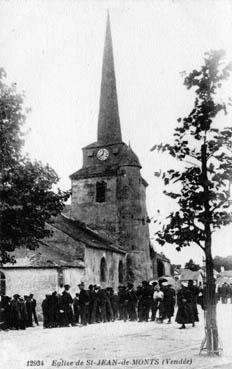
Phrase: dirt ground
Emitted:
{"points": [[122, 345]]}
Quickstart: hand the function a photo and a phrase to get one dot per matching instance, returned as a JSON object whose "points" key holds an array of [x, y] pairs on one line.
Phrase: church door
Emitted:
{"points": [[2, 284], [160, 268]]}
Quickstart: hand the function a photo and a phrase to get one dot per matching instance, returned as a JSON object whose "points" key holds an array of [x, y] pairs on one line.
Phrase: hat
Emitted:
{"points": [[145, 283], [81, 284], [66, 286]]}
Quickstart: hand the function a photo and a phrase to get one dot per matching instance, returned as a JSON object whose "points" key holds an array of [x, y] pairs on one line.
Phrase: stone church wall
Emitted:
{"points": [[30, 280], [41, 281], [92, 268], [85, 208], [73, 276], [133, 226]]}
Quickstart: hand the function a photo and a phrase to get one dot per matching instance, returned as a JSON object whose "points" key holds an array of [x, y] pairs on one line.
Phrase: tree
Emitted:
{"points": [[192, 266], [27, 200], [203, 184], [225, 262]]}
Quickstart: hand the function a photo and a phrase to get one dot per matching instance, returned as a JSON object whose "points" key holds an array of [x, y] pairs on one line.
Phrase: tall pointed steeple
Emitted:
{"points": [[109, 130]]}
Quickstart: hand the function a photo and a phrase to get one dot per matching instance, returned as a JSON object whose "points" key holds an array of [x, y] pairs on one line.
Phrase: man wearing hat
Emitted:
{"points": [[168, 301], [83, 303], [132, 302], [33, 306], [66, 302], [15, 311], [147, 296]]}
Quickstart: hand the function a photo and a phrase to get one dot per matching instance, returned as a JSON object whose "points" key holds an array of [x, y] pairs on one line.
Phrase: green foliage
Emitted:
{"points": [[26, 195], [204, 197], [12, 118], [225, 262]]}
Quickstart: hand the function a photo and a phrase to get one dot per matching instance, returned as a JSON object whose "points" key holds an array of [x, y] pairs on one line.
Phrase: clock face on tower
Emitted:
{"points": [[102, 154]]}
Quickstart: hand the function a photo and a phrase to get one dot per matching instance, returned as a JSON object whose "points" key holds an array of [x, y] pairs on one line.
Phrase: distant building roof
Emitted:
{"points": [[226, 273]]}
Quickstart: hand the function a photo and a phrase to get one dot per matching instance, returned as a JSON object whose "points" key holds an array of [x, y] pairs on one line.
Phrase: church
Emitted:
{"points": [[102, 237]]}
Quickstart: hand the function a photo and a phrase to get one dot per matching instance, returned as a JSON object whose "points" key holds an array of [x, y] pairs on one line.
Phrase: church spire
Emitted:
{"points": [[109, 130]]}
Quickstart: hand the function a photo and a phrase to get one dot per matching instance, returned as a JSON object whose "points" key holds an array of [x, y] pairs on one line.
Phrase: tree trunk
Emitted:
{"points": [[212, 345], [211, 329]]}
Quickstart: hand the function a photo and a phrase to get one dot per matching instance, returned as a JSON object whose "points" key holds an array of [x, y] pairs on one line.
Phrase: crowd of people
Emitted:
{"points": [[148, 302], [224, 293], [17, 312]]}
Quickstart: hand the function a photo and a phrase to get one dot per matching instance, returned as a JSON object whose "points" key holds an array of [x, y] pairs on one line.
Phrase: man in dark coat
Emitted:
{"points": [[54, 310], [91, 313], [102, 302], [114, 303], [76, 308], [66, 302], [5, 321], [109, 309], [33, 307], [195, 293], [123, 303], [83, 303], [147, 298], [28, 305], [120, 302], [15, 311], [140, 303], [23, 317], [45, 311], [132, 302], [168, 301]]}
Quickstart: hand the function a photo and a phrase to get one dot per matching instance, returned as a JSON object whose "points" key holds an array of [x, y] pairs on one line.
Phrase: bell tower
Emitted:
{"points": [[108, 192]]}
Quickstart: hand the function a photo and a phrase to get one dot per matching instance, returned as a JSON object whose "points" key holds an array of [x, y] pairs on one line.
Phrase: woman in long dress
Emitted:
{"points": [[185, 314]]}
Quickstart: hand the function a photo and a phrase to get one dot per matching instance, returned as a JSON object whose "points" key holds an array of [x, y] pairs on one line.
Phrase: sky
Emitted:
{"points": [[53, 51]]}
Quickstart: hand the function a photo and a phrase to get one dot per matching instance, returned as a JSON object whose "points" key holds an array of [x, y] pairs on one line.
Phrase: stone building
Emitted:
{"points": [[103, 236]]}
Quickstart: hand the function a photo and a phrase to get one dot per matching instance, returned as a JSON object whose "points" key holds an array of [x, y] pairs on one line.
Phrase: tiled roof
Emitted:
{"points": [[45, 255], [80, 232]]}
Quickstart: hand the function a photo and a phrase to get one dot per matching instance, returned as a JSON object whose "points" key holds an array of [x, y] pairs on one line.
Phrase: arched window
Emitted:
{"points": [[103, 270], [2, 284], [120, 272], [100, 192]]}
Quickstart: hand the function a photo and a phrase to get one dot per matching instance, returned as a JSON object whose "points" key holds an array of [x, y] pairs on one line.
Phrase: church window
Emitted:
{"points": [[100, 192], [90, 154], [120, 272], [103, 270], [2, 284]]}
